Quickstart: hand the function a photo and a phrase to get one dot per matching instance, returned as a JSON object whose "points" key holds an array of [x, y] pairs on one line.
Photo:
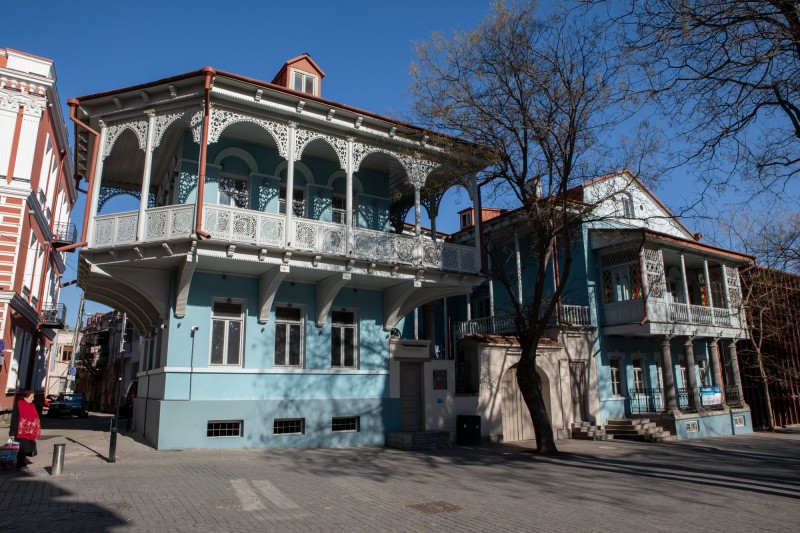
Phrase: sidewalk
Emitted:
{"points": [[733, 483]]}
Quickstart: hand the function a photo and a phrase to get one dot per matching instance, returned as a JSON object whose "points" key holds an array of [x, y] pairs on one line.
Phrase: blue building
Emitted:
{"points": [[267, 260], [645, 334]]}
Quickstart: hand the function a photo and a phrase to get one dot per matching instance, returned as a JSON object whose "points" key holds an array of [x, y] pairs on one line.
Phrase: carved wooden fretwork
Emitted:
{"points": [[304, 137], [107, 193], [221, 118], [138, 127], [192, 116]]}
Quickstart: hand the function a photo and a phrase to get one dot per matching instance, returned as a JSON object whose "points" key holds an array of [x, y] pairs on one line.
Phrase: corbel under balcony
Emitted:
{"points": [[185, 273], [327, 289], [268, 284], [401, 299]]}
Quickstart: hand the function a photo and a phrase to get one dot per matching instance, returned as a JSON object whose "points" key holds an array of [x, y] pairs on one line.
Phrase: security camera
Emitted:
{"points": [[195, 328]]}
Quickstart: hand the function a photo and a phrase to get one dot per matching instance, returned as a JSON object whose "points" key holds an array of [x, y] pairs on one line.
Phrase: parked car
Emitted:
{"points": [[47, 401], [71, 403]]}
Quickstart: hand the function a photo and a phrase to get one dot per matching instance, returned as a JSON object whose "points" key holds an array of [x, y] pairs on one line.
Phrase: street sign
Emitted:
{"points": [[70, 378], [73, 371], [2, 345]]}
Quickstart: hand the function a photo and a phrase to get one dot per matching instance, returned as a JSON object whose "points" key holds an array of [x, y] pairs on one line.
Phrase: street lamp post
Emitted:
{"points": [[112, 441]]}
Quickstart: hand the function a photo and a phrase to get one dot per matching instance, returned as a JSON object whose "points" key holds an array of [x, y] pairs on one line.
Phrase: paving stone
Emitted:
{"points": [[721, 484]]}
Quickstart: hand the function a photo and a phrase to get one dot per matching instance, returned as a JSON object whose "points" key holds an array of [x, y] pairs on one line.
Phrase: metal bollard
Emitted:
{"points": [[58, 459]]}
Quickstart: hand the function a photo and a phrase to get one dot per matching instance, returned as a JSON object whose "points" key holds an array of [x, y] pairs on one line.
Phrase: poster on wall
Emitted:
{"points": [[440, 380], [710, 395]]}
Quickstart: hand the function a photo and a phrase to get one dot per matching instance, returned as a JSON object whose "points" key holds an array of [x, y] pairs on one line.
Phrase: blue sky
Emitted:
{"points": [[364, 47]]}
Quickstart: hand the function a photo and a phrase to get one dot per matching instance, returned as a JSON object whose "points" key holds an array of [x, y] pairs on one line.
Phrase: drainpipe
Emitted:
{"points": [[73, 112], [209, 74]]}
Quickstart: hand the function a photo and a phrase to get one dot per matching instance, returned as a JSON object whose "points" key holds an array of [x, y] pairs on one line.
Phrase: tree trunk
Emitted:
{"points": [[530, 384], [765, 384]]}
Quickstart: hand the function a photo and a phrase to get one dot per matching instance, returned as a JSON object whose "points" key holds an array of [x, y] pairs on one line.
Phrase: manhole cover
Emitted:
{"points": [[434, 507]]}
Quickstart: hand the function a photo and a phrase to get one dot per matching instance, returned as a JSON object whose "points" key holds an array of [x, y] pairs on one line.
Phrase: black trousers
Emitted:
{"points": [[26, 448]]}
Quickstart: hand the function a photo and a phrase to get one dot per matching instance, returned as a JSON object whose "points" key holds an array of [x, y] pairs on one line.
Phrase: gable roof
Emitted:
{"points": [[577, 194], [298, 59]]}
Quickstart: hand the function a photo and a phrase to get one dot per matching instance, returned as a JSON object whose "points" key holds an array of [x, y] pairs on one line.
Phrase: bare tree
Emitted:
{"points": [[726, 72], [538, 94], [772, 302]]}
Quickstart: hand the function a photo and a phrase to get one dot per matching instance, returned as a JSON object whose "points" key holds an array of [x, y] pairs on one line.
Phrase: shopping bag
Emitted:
{"points": [[8, 452]]}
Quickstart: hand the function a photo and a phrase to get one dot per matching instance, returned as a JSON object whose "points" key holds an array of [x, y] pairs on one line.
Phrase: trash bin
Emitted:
{"points": [[468, 430]]}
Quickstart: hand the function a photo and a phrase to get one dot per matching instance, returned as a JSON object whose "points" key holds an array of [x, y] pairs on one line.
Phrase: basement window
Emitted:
{"points": [[346, 424], [289, 426], [224, 428], [692, 426]]}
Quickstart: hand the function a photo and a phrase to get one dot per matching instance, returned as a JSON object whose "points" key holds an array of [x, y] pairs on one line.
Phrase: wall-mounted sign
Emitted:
{"points": [[440, 380], [710, 395]]}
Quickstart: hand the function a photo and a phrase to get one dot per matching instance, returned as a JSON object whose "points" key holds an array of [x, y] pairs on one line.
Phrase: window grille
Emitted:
{"points": [[224, 428], [289, 426], [345, 424]]}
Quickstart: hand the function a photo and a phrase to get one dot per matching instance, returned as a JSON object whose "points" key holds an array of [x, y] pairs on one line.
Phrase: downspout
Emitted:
{"points": [[209, 73], [73, 111], [643, 271]]}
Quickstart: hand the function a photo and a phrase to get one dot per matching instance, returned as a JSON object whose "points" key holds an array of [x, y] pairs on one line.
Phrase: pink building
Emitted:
{"points": [[37, 193]]}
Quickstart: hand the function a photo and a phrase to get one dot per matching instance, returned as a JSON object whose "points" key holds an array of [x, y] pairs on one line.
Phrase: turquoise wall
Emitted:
{"points": [[372, 209], [187, 423], [258, 392]]}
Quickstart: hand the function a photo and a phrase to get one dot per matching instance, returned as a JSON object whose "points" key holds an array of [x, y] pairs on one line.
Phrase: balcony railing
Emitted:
{"points": [[647, 401], [64, 233], [686, 400], [572, 315], [54, 315], [269, 230], [575, 315], [732, 397], [632, 312]]}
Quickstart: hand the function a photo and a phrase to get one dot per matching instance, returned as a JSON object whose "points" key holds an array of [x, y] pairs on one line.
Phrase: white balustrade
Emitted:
{"points": [[170, 222], [113, 230], [320, 237], [242, 225], [627, 312], [267, 229], [576, 315]]}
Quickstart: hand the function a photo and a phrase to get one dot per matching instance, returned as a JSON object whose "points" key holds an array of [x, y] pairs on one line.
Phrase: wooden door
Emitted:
{"points": [[517, 423], [577, 386], [410, 397]]}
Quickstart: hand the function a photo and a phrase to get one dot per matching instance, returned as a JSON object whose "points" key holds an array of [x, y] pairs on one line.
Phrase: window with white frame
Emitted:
{"points": [[298, 201], [339, 210], [613, 367], [638, 375], [227, 332], [234, 191], [289, 336], [344, 339], [624, 206], [304, 82], [466, 219]]}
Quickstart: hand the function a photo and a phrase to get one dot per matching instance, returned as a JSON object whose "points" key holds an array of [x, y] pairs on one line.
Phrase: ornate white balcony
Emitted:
{"points": [[268, 230], [664, 312]]}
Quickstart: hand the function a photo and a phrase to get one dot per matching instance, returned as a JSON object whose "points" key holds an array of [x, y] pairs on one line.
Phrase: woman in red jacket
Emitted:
{"points": [[25, 428]]}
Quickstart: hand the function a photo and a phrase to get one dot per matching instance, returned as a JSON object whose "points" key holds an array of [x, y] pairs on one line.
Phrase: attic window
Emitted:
{"points": [[304, 82]]}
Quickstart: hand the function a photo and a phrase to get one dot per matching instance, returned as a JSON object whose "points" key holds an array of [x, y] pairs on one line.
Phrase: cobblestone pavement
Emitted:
{"points": [[743, 483]]}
